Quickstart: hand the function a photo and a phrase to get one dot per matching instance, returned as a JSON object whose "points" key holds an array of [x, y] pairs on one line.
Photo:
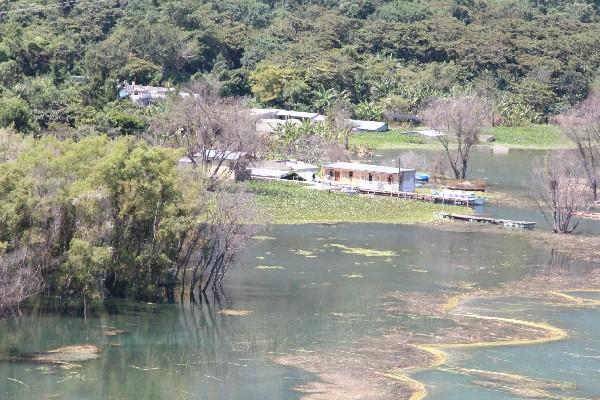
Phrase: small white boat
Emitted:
{"points": [[459, 194]]}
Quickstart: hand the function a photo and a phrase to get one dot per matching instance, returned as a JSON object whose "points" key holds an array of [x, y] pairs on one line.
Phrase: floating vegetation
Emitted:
{"points": [[290, 203], [305, 253], [263, 238], [113, 332], [363, 251], [67, 355], [395, 354], [517, 385], [578, 300], [270, 267], [145, 368], [346, 315], [235, 313]]}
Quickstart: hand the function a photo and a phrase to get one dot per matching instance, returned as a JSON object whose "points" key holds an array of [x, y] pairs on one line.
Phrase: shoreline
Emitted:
{"points": [[533, 137]]}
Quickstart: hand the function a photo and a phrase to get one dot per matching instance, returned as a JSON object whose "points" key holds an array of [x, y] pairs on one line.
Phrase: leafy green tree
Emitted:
{"points": [[403, 11], [368, 110], [513, 111], [15, 113], [323, 98]]}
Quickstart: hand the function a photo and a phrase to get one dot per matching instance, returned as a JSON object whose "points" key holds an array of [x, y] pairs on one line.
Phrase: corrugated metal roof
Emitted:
{"points": [[223, 154], [290, 165], [268, 173], [296, 114], [365, 167], [371, 126], [428, 132]]}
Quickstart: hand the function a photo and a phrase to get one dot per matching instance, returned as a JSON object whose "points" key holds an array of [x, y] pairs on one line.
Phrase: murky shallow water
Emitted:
{"points": [[318, 296]]}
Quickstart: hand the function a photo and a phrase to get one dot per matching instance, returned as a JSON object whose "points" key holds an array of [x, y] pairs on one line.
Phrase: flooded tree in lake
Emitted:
{"points": [[582, 126], [18, 280], [215, 238], [460, 120], [559, 188]]}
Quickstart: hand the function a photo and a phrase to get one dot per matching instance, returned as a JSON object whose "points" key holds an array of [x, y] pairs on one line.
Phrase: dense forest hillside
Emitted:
{"points": [[61, 62]]}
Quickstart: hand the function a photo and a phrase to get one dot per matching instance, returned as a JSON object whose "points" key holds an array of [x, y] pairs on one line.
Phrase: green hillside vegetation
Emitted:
{"points": [[61, 62]]}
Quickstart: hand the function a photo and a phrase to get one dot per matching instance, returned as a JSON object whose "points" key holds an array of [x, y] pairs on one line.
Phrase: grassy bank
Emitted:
{"points": [[533, 137], [529, 137], [292, 203], [393, 139]]}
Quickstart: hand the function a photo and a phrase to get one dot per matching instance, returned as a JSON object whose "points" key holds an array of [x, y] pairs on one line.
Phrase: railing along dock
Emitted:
{"points": [[488, 220], [431, 198]]}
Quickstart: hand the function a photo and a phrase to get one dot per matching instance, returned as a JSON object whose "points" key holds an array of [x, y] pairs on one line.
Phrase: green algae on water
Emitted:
{"points": [[363, 251]]}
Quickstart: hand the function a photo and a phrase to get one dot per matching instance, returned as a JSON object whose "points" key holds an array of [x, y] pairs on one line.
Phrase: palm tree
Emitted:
{"points": [[323, 98]]}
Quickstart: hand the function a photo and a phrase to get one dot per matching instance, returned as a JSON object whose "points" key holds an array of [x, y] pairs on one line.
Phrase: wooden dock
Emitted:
{"points": [[431, 198], [488, 220]]}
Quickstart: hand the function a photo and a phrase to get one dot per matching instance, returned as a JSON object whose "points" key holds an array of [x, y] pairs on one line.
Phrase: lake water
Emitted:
{"points": [[314, 288], [301, 291], [509, 173]]}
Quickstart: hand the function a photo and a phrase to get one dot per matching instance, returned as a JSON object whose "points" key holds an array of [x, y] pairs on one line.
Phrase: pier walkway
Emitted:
{"points": [[431, 198], [488, 220]]}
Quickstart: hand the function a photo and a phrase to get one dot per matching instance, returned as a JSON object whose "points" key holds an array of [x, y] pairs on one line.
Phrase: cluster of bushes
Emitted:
{"points": [[61, 64], [99, 218]]}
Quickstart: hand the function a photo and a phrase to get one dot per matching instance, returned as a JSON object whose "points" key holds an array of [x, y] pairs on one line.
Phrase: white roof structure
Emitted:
{"points": [[370, 126], [268, 172], [296, 114], [278, 174], [212, 154], [287, 165], [264, 112], [270, 114], [366, 167], [223, 154], [428, 133], [269, 125]]}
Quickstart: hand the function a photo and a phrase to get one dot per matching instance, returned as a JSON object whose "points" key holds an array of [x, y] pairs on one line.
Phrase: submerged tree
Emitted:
{"points": [[460, 121], [582, 126], [214, 238], [559, 188], [19, 279]]}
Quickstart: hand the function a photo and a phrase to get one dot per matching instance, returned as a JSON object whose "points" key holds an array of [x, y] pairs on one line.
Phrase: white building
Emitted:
{"points": [[370, 177]]}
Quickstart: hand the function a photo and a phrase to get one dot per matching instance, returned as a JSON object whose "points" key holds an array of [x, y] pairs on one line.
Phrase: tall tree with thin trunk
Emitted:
{"points": [[217, 133], [582, 126], [560, 190], [460, 120], [339, 119], [19, 280]]}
